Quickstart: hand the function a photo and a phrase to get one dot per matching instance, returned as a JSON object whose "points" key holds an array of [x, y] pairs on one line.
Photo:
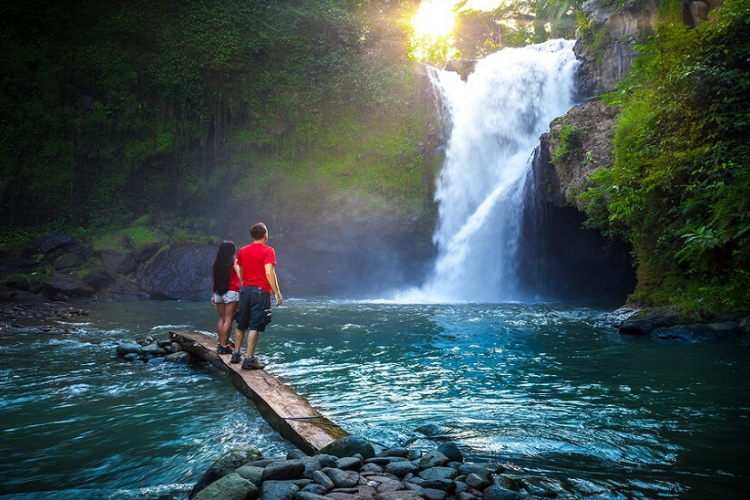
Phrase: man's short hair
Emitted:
{"points": [[258, 231]]}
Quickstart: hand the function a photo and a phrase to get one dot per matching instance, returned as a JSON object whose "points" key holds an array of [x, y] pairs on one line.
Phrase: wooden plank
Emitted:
{"points": [[288, 413]]}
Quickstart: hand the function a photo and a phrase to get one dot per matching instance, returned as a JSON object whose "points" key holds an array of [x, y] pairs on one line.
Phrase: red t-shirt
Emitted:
{"points": [[252, 260], [234, 281]]}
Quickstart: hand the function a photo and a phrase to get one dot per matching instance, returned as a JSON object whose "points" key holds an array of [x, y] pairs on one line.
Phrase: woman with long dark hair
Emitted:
{"points": [[225, 293]]}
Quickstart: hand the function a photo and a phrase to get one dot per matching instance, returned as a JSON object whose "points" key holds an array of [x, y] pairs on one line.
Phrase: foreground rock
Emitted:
{"points": [[665, 325], [152, 351], [387, 474]]}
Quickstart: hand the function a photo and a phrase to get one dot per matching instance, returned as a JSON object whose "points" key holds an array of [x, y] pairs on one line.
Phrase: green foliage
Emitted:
{"points": [[570, 144], [680, 183]]}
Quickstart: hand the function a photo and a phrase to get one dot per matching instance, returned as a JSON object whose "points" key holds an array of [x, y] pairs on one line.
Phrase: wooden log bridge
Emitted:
{"points": [[287, 412]]}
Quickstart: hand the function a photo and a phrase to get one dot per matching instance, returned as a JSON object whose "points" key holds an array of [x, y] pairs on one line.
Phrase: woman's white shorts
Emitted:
{"points": [[228, 297]]}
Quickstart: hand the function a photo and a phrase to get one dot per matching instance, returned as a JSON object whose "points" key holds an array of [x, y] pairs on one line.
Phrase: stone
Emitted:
{"points": [[350, 446], [68, 286], [155, 361], [477, 481], [440, 484], [121, 262], [128, 348], [316, 488], [347, 463], [54, 241], [309, 495], [432, 458], [182, 358], [433, 494], [389, 485], [400, 495], [506, 482], [340, 495], [278, 490], [451, 451], [343, 479], [296, 454], [371, 469], [394, 452], [68, 260], [466, 496], [323, 479], [645, 324], [710, 332], [178, 272], [326, 460], [401, 469], [229, 462], [153, 350], [312, 465], [483, 470], [438, 473], [230, 487], [284, 469], [251, 473], [497, 493]]}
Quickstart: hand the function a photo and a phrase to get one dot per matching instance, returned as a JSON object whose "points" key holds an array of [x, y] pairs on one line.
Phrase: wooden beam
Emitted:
{"points": [[287, 412]]}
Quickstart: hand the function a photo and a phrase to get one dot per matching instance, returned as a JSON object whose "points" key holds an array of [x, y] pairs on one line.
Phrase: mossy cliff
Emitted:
{"points": [[664, 164]]}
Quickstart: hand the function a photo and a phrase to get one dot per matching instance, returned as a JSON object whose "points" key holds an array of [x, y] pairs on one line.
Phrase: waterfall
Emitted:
{"points": [[495, 119]]}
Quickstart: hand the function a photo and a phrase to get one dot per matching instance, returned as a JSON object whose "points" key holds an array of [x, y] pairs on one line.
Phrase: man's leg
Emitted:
{"points": [[252, 342], [239, 337]]}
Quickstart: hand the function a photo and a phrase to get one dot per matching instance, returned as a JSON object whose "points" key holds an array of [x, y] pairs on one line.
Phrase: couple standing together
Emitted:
{"points": [[243, 284]]}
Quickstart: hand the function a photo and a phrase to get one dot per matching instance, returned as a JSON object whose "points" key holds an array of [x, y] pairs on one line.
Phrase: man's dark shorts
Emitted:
{"points": [[251, 313]]}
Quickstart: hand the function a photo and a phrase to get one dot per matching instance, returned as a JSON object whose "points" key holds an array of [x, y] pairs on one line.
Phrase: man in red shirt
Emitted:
{"points": [[257, 263]]}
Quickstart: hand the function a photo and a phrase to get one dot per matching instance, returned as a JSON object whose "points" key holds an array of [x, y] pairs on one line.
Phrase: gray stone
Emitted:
{"points": [[131, 357], [251, 473], [440, 484], [466, 496], [284, 469], [438, 473], [432, 458], [497, 493], [371, 468], [385, 460], [309, 495], [230, 487], [433, 494], [278, 490], [179, 357], [178, 272], [413, 486], [483, 470], [312, 464], [477, 481], [401, 469], [390, 485], [451, 451], [128, 348], [68, 260], [350, 446], [68, 285], [400, 495], [506, 482], [296, 454], [323, 479], [343, 479], [326, 460], [316, 488], [347, 463], [121, 262], [394, 452], [153, 350], [155, 361], [229, 462]]}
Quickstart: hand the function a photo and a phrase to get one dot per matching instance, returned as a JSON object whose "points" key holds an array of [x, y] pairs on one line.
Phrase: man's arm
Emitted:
{"points": [[271, 275]]}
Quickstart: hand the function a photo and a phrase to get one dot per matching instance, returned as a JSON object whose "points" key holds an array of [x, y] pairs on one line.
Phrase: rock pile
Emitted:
{"points": [[350, 469], [152, 352]]}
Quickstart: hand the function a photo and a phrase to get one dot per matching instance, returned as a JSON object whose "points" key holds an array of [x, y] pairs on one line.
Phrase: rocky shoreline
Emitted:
{"points": [[353, 468]]}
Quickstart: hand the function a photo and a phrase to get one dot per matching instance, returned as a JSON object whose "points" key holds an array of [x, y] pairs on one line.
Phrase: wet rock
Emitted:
{"points": [[711, 332], [181, 357], [451, 451], [315, 488], [343, 479], [643, 325], [230, 487], [350, 446], [278, 490], [438, 473], [48, 243], [67, 286], [309, 495], [179, 272], [478, 482], [497, 493], [399, 495], [251, 473], [506, 482], [432, 459], [323, 479], [119, 261], [401, 469], [433, 494], [285, 469], [68, 260], [347, 463], [227, 463]]}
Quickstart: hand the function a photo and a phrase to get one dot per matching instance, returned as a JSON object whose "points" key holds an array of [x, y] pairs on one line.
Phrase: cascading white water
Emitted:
{"points": [[496, 118]]}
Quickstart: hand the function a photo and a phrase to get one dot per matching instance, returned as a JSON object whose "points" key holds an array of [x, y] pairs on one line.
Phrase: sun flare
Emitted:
{"points": [[434, 18]]}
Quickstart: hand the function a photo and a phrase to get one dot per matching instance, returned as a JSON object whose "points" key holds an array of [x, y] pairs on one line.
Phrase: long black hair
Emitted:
{"points": [[223, 266]]}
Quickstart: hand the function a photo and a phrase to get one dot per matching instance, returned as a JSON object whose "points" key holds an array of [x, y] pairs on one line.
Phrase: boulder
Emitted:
{"points": [[48, 243], [119, 261], [348, 446], [69, 286], [230, 487], [227, 463], [181, 272], [710, 332], [278, 490]]}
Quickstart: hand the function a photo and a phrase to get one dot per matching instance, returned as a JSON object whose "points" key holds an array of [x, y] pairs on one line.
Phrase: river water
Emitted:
{"points": [[542, 388]]}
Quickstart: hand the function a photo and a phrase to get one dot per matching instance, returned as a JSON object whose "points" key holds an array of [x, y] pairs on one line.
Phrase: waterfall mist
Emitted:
{"points": [[494, 120]]}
